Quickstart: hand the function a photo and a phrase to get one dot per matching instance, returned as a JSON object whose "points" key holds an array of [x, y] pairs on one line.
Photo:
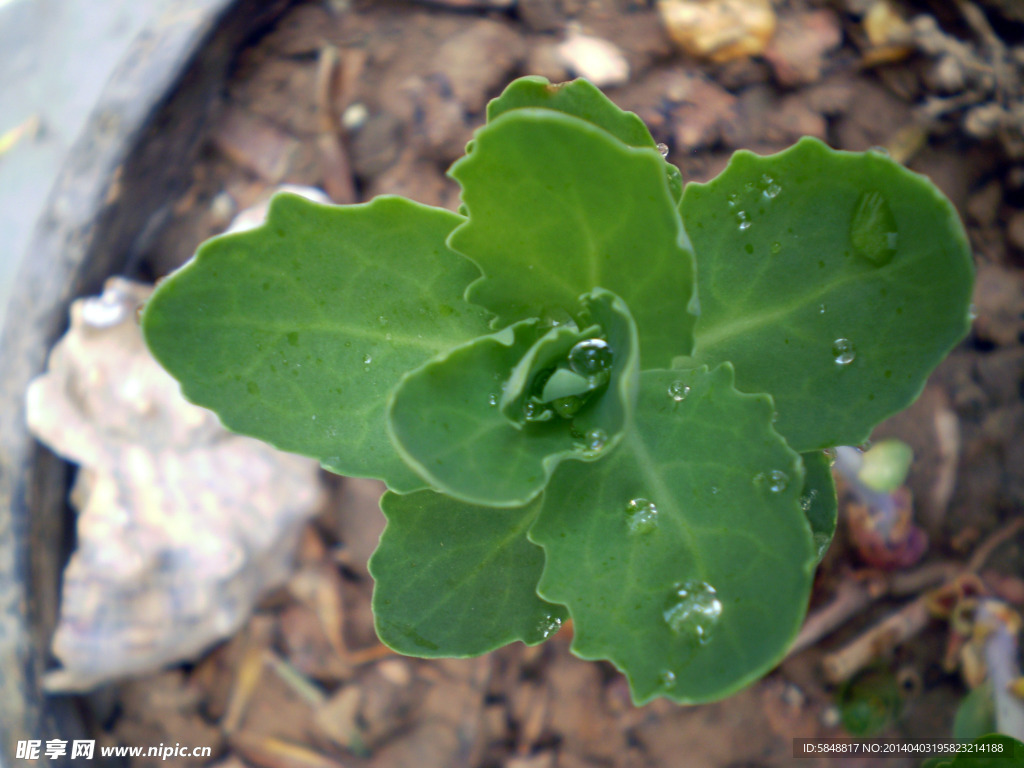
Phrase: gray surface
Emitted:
{"points": [[55, 57]]}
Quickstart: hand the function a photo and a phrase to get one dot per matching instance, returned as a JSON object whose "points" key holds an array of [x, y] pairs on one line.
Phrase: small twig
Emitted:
{"points": [[877, 641], [337, 172], [909, 620], [993, 542]]}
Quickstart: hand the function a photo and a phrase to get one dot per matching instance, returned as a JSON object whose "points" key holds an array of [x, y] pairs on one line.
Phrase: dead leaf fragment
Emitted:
{"points": [[719, 30]]}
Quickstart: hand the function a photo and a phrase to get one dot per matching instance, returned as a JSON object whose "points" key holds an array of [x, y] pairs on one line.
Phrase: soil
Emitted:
{"points": [[367, 98]]}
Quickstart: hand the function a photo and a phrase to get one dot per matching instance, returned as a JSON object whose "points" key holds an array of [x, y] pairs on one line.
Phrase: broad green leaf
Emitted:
{"points": [[558, 207], [454, 579], [581, 99], [818, 500], [684, 557], [833, 281], [294, 332], [445, 420]]}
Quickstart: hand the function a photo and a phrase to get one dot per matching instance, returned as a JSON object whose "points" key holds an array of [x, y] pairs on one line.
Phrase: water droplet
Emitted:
{"points": [[776, 248], [807, 501], [367, 359], [742, 220], [667, 678], [641, 516], [972, 313], [534, 411], [492, 399], [692, 609], [590, 357], [822, 309], [873, 230], [777, 481], [678, 391], [382, 320], [769, 187], [594, 441], [733, 200], [714, 490], [663, 149], [567, 407], [821, 542], [843, 351], [548, 625]]}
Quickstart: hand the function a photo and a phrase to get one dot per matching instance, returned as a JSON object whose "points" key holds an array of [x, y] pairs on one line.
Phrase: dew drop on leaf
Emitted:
{"points": [[662, 149], [492, 399], [548, 625], [534, 411], [667, 678], [769, 187], [590, 357], [678, 391], [567, 407], [776, 248], [775, 481], [367, 359], [692, 610], [742, 221], [594, 441], [873, 230], [972, 313], [641, 516], [843, 351], [822, 309]]}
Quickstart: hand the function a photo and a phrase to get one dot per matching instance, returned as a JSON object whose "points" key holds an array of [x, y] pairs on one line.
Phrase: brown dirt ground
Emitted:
{"points": [[306, 683]]}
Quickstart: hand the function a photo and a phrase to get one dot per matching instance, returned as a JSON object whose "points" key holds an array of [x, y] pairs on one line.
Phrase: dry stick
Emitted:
{"points": [[337, 171], [854, 595], [907, 622]]}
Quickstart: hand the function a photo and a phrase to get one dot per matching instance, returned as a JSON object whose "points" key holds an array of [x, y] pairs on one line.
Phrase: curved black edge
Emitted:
{"points": [[115, 189]]}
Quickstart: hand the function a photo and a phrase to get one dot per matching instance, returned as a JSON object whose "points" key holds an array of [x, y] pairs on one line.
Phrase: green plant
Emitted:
{"points": [[580, 407]]}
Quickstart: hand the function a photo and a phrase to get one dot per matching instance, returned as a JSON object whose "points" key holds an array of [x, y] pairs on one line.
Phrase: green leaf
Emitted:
{"points": [[700, 495], [558, 207], [445, 421], [976, 715], [293, 332], [833, 281], [818, 500], [454, 579], [581, 99]]}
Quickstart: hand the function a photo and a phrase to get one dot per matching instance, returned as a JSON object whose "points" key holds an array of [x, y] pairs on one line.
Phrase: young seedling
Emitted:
{"points": [[594, 393]]}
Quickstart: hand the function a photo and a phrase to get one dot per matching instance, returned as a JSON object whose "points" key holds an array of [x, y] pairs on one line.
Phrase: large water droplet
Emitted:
{"points": [[742, 221], [367, 359], [678, 391], [843, 351], [873, 230], [548, 625], [663, 149], [641, 516], [667, 678], [692, 610], [590, 357]]}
